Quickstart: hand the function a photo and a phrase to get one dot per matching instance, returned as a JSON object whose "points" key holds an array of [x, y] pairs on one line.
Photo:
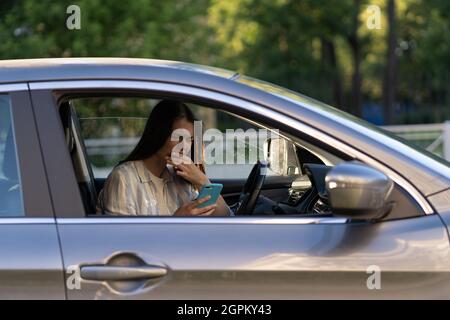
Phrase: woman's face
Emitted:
{"points": [[181, 123]]}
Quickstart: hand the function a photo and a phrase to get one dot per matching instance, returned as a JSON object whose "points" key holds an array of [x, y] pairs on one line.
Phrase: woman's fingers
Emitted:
{"points": [[210, 212], [179, 167], [191, 209], [198, 202], [199, 211], [182, 167], [182, 174], [177, 160], [204, 211], [170, 162]]}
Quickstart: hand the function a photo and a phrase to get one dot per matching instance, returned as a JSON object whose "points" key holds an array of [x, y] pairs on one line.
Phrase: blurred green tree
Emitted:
{"points": [[140, 28], [320, 48]]}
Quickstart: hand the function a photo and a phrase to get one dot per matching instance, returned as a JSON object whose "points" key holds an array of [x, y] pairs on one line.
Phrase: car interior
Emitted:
{"points": [[301, 192]]}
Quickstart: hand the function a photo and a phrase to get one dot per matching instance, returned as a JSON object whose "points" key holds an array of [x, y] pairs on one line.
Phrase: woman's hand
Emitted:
{"points": [[190, 209], [189, 171], [197, 178]]}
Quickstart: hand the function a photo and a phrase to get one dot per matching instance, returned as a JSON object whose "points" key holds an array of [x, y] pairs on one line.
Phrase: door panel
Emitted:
{"points": [[264, 260], [30, 256], [30, 264]]}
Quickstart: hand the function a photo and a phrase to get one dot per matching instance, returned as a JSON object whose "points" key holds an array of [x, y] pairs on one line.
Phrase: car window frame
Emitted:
{"points": [[56, 90], [36, 199]]}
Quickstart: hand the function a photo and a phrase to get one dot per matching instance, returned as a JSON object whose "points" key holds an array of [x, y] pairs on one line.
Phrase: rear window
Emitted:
{"points": [[11, 204]]}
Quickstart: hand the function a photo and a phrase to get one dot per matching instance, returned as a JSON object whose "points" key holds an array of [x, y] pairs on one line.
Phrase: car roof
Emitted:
{"points": [[30, 70]]}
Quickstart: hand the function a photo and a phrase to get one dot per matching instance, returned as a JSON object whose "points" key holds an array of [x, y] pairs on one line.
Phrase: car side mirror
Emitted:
{"points": [[358, 191], [279, 152], [274, 150]]}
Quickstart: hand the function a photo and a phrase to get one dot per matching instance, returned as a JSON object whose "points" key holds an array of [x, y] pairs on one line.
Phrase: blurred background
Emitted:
{"points": [[386, 61]]}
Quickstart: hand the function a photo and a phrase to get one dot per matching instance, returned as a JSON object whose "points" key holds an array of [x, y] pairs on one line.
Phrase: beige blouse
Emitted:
{"points": [[131, 189]]}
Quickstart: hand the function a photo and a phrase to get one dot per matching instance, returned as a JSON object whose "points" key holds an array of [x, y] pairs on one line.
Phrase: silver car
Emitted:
{"points": [[357, 213]]}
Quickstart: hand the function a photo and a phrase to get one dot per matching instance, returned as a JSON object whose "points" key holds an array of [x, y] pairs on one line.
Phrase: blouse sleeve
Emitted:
{"points": [[114, 199]]}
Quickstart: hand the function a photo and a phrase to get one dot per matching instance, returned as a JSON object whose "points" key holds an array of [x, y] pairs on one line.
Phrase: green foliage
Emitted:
{"points": [[303, 45], [140, 28], [282, 41]]}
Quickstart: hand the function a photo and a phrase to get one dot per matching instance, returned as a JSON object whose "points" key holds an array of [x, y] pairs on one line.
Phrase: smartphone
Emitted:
{"points": [[212, 190]]}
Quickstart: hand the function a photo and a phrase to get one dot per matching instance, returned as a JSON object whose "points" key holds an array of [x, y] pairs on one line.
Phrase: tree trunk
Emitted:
{"points": [[330, 61], [356, 95], [390, 78]]}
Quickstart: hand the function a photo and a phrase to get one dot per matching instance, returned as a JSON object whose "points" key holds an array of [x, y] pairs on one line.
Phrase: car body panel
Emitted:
{"points": [[34, 185], [30, 265], [30, 70], [214, 260], [441, 202]]}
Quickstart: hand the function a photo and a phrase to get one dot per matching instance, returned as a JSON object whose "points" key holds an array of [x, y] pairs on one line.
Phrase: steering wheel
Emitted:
{"points": [[315, 199], [252, 187]]}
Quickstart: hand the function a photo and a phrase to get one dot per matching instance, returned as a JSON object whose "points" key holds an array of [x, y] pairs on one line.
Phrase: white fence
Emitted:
{"points": [[433, 137], [113, 147]]}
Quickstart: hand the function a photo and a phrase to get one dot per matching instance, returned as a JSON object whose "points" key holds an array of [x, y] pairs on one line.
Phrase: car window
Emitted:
{"points": [[11, 204], [109, 140], [107, 129], [111, 127], [240, 145]]}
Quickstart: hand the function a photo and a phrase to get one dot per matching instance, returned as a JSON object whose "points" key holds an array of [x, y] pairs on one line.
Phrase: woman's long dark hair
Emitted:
{"points": [[159, 128]]}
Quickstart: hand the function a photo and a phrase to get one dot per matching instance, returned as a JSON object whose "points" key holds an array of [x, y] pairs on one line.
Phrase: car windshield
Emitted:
{"points": [[330, 111]]}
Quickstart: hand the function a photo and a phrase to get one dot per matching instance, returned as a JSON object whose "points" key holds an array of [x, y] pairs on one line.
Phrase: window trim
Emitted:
{"points": [[204, 220], [150, 87], [66, 198]]}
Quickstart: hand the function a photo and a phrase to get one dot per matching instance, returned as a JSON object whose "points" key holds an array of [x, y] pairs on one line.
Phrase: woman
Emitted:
{"points": [[148, 183]]}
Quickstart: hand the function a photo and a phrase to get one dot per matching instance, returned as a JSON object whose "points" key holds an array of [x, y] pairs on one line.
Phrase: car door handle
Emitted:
{"points": [[121, 273]]}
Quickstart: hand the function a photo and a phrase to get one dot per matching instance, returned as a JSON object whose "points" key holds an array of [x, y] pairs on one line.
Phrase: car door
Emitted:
{"points": [[30, 264], [232, 257]]}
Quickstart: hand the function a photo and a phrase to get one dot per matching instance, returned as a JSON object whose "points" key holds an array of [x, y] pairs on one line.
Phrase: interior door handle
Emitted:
{"points": [[121, 273]]}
